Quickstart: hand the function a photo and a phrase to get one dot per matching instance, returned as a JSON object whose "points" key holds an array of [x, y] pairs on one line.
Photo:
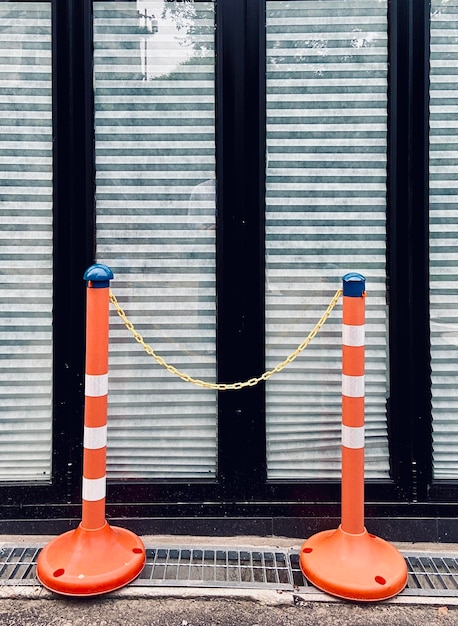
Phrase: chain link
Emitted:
{"points": [[226, 386]]}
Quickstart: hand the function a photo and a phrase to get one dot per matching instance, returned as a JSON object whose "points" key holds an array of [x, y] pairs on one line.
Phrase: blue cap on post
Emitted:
{"points": [[99, 275], [354, 285]]}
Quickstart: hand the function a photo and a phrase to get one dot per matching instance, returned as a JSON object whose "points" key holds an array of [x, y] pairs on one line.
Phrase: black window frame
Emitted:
{"points": [[242, 499]]}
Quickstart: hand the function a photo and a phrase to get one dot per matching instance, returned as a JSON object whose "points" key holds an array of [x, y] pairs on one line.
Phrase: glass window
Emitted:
{"points": [[26, 241], [155, 204], [443, 235], [326, 207]]}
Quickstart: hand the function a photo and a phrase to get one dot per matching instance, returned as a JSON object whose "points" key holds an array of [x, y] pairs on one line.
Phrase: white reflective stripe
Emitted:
{"points": [[94, 488], [353, 437], [353, 335], [353, 386], [95, 438], [96, 386]]}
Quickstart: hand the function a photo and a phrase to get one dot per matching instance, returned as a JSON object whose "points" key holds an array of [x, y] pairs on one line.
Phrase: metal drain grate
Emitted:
{"points": [[430, 574], [17, 566], [216, 567], [170, 567]]}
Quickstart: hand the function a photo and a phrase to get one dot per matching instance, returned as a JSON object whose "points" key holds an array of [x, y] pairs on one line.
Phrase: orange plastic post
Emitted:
{"points": [[95, 412], [349, 562], [95, 557], [353, 414]]}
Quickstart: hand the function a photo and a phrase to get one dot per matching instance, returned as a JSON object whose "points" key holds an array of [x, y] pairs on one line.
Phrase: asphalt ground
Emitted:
{"points": [[211, 611]]}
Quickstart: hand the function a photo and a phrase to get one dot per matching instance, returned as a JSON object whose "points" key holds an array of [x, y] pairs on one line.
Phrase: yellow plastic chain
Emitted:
{"points": [[225, 386]]}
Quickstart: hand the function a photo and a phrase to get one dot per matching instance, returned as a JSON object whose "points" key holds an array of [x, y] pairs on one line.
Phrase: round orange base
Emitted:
{"points": [[85, 562], [360, 567]]}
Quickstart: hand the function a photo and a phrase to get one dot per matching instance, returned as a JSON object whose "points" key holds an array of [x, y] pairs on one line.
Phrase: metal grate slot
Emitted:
{"points": [[299, 580]]}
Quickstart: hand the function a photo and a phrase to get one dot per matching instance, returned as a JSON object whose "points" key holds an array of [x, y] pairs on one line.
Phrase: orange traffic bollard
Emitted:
{"points": [[349, 562], [95, 557]]}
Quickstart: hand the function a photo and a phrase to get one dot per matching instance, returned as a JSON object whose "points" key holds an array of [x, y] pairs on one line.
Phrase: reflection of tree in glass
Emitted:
{"points": [[172, 34], [185, 18], [179, 12]]}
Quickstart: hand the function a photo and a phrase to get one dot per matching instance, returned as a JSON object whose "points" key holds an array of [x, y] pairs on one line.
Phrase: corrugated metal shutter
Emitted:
{"points": [[443, 235], [155, 162], [326, 205], [26, 241]]}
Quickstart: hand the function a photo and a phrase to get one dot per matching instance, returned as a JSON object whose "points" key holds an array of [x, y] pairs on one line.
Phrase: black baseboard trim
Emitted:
{"points": [[406, 529]]}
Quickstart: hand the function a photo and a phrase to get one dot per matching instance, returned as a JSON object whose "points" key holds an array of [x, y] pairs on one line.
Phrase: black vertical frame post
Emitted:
{"points": [[73, 231], [240, 239], [408, 257], [421, 348]]}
